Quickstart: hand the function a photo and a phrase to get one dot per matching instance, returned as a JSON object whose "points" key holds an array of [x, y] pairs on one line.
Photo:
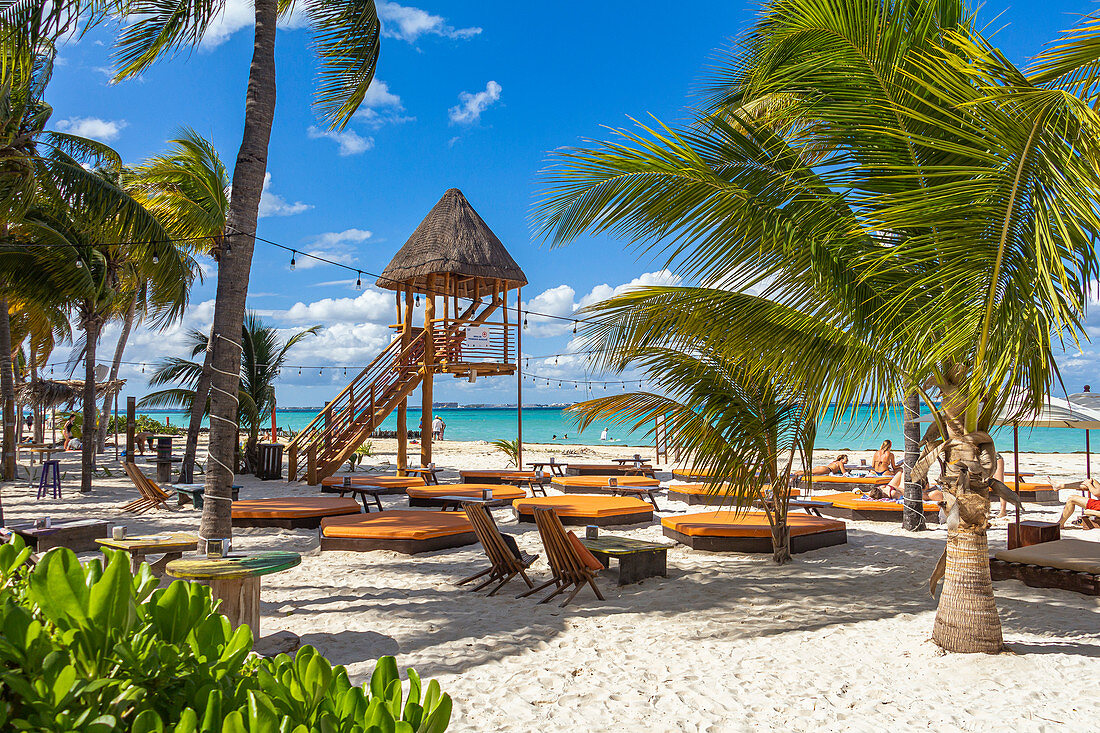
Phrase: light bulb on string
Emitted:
{"points": [[292, 254], [345, 371], [525, 319], [299, 371], [321, 372], [143, 369], [574, 326], [156, 259], [358, 281], [418, 300], [79, 263]]}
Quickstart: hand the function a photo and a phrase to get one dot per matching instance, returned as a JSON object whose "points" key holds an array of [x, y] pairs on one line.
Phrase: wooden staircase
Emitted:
{"points": [[357, 411]]}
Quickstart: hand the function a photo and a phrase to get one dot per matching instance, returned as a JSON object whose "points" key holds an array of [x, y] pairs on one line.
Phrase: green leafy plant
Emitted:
{"points": [[97, 648], [509, 448], [364, 451]]}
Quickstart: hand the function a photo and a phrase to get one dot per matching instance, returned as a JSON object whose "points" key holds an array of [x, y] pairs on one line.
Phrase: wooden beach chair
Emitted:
{"points": [[505, 562], [152, 496], [571, 564]]}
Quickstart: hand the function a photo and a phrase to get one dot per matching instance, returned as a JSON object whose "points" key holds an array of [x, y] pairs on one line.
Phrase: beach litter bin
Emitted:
{"points": [[271, 461]]}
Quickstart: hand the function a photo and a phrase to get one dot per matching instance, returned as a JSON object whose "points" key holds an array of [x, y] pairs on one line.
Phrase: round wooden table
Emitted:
{"points": [[235, 580]]}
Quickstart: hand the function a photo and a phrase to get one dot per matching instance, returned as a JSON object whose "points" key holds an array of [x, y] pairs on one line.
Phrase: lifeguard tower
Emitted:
{"points": [[465, 275]]}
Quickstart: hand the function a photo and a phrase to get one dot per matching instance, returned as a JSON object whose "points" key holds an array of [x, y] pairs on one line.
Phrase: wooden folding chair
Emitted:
{"points": [[152, 496], [504, 563], [568, 568]]}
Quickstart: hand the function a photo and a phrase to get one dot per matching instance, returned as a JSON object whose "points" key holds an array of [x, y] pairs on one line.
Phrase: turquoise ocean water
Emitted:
{"points": [[551, 425]]}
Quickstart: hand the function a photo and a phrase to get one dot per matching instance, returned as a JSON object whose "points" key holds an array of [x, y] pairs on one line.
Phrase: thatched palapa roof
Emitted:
{"points": [[452, 239], [47, 393]]}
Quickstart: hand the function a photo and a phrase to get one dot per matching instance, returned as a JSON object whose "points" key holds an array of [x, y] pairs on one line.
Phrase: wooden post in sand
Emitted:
{"points": [[429, 372], [131, 406], [519, 379], [403, 406]]}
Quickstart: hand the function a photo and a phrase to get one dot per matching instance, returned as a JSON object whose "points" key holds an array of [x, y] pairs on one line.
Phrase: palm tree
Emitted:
{"points": [[187, 190], [740, 426], [346, 37], [874, 201], [264, 356]]}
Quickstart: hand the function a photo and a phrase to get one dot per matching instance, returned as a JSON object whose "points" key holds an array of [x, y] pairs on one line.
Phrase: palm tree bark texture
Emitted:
{"points": [[7, 391], [234, 266]]}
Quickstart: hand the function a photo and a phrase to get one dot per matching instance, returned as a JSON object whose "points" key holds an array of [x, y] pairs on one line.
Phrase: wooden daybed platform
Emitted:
{"points": [[608, 469], [426, 495], [491, 476], [688, 473], [580, 509], [843, 483], [394, 484], [291, 512], [705, 494], [600, 484], [1035, 493], [851, 506], [726, 530], [406, 530], [1069, 564]]}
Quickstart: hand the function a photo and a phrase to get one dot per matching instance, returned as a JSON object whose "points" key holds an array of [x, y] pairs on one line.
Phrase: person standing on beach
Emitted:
{"points": [[67, 432], [438, 426], [603, 435]]}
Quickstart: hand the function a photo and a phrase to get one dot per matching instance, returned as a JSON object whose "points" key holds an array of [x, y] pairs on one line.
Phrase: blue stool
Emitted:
{"points": [[50, 478]]}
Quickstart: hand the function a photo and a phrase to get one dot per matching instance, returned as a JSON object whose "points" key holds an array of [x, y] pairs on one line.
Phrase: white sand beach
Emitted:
{"points": [[836, 640]]}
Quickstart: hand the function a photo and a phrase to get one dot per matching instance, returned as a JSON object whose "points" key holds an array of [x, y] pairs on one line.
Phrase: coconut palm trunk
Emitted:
{"points": [[120, 347], [234, 265], [36, 410], [198, 409], [7, 394], [914, 492], [91, 325]]}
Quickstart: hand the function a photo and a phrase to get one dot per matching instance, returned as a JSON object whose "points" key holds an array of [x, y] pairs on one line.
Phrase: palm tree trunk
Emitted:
{"points": [[120, 347], [234, 266], [911, 519], [91, 326], [39, 428], [198, 409], [7, 393]]}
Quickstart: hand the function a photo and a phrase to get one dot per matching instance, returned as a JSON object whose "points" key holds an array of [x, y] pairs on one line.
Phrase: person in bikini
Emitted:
{"points": [[837, 467], [883, 460], [1089, 503]]}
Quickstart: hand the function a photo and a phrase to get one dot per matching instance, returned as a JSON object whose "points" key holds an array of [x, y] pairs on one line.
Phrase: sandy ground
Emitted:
{"points": [[836, 640]]}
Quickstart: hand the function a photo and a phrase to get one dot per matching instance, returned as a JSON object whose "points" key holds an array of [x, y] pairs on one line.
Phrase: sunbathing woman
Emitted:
{"points": [[893, 489], [883, 460], [1089, 503], [837, 467]]}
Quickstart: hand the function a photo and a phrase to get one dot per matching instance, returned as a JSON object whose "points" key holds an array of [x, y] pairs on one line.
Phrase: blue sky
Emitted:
{"points": [[470, 95]]}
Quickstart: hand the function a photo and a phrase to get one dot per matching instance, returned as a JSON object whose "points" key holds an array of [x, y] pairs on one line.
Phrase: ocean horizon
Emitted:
{"points": [[862, 430]]}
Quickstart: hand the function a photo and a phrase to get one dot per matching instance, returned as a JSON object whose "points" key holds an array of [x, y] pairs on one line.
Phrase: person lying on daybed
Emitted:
{"points": [[893, 490], [836, 468], [1090, 503]]}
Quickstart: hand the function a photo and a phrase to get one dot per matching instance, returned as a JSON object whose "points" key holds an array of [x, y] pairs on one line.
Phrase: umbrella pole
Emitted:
{"points": [[1016, 475], [1088, 457]]}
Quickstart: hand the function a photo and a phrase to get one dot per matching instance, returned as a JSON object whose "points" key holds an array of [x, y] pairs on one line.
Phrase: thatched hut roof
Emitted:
{"points": [[49, 393], [452, 239]]}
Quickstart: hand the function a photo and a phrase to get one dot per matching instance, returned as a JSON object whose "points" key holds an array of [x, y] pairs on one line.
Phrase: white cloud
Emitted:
{"points": [[335, 246], [92, 127], [371, 306], [562, 301], [349, 141], [408, 23], [382, 107], [471, 105], [647, 279], [272, 204]]}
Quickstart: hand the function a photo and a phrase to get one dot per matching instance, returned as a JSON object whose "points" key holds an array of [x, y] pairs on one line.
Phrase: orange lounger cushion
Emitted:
{"points": [[500, 491], [868, 480], [487, 473], [848, 500], [603, 481], [393, 482], [397, 525], [294, 507], [694, 472], [726, 523], [705, 489], [580, 505], [1028, 486]]}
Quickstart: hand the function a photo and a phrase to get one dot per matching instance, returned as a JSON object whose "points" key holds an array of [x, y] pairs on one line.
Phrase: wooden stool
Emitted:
{"points": [[50, 478], [1032, 532]]}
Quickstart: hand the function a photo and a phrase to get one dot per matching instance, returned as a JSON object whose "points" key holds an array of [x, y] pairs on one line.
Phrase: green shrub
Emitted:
{"points": [[144, 423], [95, 648]]}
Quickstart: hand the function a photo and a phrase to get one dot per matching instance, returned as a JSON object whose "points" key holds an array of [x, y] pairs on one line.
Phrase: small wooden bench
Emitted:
{"points": [[235, 580], [79, 535], [637, 559], [172, 545]]}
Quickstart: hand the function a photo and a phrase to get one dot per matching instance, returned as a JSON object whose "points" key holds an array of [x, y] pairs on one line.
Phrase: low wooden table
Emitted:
{"points": [[79, 535], [1032, 532], [430, 475], [172, 545], [236, 581], [194, 493], [638, 492], [637, 559], [534, 483], [811, 506], [454, 503], [556, 469], [363, 491], [624, 461]]}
